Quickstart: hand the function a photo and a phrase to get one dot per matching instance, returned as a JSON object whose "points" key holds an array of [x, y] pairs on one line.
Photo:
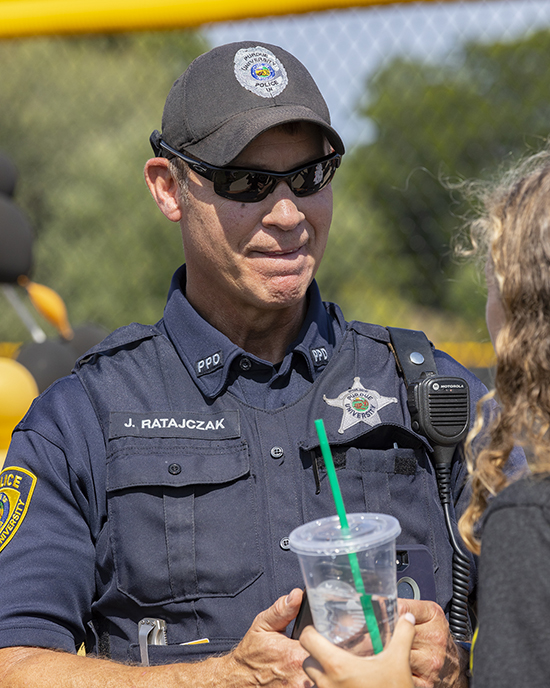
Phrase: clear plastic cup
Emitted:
{"points": [[324, 550]]}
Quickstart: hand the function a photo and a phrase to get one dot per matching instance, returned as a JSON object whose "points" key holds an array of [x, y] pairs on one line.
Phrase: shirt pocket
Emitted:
{"points": [[183, 519], [386, 470], [401, 481]]}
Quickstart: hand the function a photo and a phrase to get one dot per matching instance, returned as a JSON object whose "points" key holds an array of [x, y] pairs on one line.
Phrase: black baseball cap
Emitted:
{"points": [[232, 94]]}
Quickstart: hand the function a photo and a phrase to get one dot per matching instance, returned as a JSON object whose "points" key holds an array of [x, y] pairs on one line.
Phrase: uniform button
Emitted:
{"points": [[283, 543], [417, 358], [174, 468], [276, 452], [245, 363]]}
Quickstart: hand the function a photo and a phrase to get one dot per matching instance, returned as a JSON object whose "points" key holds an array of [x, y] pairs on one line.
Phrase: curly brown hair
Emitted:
{"points": [[514, 228]]}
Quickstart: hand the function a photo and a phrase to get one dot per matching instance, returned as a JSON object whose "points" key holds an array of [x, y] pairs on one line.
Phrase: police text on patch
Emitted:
{"points": [[16, 488]]}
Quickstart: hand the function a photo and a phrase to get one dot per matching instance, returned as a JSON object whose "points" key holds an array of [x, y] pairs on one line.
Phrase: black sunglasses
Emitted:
{"points": [[250, 186]]}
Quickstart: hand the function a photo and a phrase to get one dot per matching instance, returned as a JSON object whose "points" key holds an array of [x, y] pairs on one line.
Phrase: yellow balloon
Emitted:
{"points": [[17, 390]]}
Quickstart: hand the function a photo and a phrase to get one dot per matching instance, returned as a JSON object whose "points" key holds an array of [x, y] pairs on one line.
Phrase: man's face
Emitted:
{"points": [[257, 256]]}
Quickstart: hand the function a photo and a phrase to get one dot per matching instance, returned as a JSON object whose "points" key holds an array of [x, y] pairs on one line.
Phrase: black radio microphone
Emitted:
{"points": [[440, 410]]}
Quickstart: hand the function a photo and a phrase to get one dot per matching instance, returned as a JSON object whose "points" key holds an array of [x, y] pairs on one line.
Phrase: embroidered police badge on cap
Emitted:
{"points": [[16, 488], [259, 71]]}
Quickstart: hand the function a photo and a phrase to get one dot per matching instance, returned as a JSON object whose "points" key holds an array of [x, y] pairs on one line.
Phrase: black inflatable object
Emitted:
{"points": [[47, 361], [86, 336], [16, 239], [8, 176]]}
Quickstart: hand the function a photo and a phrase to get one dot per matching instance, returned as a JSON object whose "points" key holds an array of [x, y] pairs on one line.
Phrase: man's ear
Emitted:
{"points": [[163, 187]]}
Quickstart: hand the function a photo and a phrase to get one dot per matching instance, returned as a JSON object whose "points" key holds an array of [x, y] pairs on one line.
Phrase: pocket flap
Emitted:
{"points": [[381, 436], [176, 466]]}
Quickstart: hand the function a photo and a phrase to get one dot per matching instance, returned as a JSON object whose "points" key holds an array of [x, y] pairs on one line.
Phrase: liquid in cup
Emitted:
{"points": [[324, 549]]}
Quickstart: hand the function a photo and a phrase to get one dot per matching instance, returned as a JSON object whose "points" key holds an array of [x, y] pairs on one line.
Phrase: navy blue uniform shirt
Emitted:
{"points": [[162, 478]]}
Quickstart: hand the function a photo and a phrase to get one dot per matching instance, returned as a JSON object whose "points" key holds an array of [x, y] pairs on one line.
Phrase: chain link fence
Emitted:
{"points": [[424, 94]]}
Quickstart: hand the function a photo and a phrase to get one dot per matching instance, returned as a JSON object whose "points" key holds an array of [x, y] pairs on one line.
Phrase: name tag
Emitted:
{"points": [[209, 426]]}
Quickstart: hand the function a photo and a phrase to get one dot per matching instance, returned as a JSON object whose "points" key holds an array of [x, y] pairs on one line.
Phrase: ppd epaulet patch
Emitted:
{"points": [[16, 488]]}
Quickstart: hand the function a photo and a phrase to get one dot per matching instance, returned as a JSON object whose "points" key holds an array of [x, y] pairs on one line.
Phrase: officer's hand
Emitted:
{"points": [[331, 667], [266, 656], [435, 658]]}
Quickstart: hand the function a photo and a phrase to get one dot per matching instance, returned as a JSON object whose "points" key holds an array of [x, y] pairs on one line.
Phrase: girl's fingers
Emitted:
{"points": [[403, 634]]}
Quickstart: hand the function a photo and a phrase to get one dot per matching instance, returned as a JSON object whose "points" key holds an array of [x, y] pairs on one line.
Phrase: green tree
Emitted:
{"points": [[436, 122], [75, 117]]}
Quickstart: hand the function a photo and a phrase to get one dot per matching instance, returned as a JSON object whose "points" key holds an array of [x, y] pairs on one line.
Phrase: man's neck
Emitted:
{"points": [[263, 333]]}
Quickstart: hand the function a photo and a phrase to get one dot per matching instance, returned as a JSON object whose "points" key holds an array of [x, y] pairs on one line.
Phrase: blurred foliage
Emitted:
{"points": [[436, 123], [75, 117]]}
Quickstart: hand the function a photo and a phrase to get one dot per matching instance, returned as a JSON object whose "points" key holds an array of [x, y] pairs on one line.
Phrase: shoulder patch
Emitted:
{"points": [[16, 488]]}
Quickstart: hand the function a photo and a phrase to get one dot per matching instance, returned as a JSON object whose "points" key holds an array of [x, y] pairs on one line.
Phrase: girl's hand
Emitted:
{"points": [[331, 667]]}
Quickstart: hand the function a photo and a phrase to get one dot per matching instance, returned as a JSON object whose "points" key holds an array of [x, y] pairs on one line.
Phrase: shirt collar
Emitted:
{"points": [[208, 354], [316, 339]]}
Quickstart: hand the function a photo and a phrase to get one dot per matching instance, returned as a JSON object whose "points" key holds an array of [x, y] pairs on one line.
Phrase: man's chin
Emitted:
{"points": [[286, 293]]}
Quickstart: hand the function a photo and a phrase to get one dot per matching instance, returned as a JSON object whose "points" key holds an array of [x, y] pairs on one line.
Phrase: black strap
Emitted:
{"points": [[413, 353]]}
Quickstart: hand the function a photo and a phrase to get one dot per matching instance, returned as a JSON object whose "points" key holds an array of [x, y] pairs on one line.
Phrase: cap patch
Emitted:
{"points": [[259, 71], [16, 488]]}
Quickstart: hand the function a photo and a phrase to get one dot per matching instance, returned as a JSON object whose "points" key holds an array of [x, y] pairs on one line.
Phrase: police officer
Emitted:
{"points": [[147, 498]]}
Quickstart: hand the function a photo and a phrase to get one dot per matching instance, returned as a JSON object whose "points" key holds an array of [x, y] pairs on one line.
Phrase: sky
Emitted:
{"points": [[342, 48]]}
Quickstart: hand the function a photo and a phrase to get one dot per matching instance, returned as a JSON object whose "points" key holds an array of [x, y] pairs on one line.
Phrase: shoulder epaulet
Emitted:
{"points": [[376, 332], [413, 353], [120, 338]]}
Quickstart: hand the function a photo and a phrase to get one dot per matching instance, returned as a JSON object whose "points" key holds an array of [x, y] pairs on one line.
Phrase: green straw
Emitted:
{"points": [[366, 602]]}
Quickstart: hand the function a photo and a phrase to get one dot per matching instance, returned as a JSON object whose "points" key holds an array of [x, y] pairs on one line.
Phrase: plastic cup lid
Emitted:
{"points": [[325, 536]]}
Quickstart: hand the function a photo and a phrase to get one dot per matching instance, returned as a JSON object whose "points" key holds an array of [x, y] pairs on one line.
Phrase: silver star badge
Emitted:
{"points": [[359, 405]]}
